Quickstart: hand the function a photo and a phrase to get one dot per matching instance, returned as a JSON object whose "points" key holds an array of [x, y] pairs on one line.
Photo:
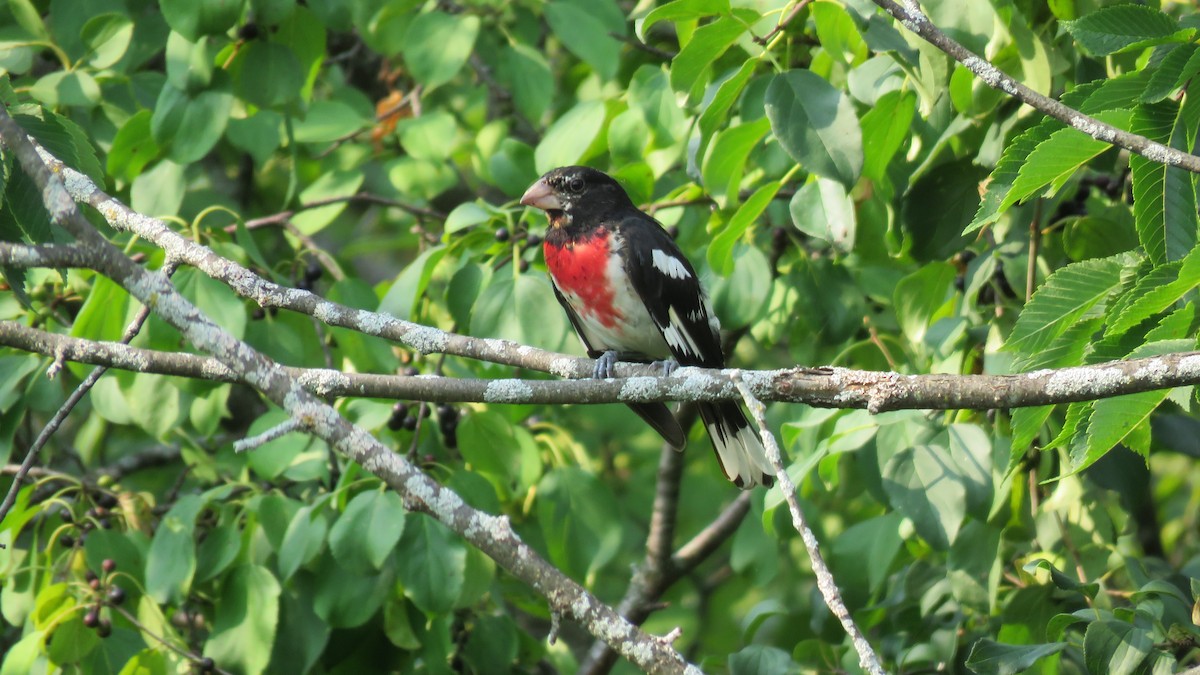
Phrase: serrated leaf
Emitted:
{"points": [[1114, 29], [1175, 68], [1066, 296], [816, 124], [1164, 197], [1156, 291], [1113, 419], [1058, 157]]}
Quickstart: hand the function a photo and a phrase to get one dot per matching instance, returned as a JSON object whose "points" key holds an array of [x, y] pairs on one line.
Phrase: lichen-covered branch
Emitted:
{"points": [[823, 387], [493, 535]]}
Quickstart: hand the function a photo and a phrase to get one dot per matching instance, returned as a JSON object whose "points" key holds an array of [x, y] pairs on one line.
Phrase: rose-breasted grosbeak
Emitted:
{"points": [[631, 294]]}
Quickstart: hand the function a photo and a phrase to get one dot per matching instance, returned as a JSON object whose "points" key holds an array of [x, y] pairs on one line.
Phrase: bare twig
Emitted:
{"points": [[278, 431], [914, 19], [65, 409], [867, 658], [783, 23]]}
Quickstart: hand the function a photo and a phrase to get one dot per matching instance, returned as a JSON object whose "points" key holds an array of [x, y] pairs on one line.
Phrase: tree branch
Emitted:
{"points": [[914, 19], [822, 387], [493, 535]]}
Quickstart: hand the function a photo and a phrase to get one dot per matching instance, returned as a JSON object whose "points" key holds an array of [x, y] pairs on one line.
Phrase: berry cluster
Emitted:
{"points": [[106, 593]]}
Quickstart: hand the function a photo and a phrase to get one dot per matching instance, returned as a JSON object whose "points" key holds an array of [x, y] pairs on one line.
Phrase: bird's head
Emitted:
{"points": [[571, 194]]}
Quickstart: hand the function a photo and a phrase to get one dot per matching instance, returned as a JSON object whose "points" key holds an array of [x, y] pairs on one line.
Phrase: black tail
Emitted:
{"points": [[659, 416], [739, 448]]}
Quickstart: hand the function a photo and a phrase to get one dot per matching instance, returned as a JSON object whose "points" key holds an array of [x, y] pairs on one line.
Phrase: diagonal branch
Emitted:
{"points": [[914, 19]]}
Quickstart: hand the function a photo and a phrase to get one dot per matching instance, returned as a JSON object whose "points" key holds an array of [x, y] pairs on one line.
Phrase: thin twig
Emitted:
{"points": [[915, 20], [194, 658], [783, 23], [642, 46], [867, 658], [278, 431], [284, 216], [65, 409], [1035, 241]]}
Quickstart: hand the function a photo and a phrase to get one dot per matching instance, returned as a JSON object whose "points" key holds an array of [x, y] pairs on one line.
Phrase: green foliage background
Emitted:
{"points": [[853, 197]]}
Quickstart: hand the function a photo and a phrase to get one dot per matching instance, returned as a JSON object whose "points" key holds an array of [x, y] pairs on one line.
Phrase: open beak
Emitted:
{"points": [[541, 196]]}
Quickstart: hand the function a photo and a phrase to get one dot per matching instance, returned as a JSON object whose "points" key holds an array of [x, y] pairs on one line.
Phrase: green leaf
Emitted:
{"points": [[815, 123], [574, 511], [530, 79], [989, 657], [707, 44], [720, 251], [107, 36], [159, 191], [1057, 158], [246, 620], [954, 188], [367, 531], [924, 483], [430, 136], [438, 44], [822, 209], [431, 563], [681, 10], [760, 660], [61, 88], [328, 121], [500, 451], [568, 139], [1115, 647], [146, 662], [726, 162], [1156, 292], [266, 74], [214, 299], [1000, 183], [303, 541], [189, 126], [171, 561], [650, 94], [740, 298], [1087, 237], [1066, 296], [1123, 27], [585, 28], [1164, 197], [884, 129], [133, 147], [401, 299], [330, 185], [920, 295], [516, 310], [196, 18], [716, 112], [1178, 66]]}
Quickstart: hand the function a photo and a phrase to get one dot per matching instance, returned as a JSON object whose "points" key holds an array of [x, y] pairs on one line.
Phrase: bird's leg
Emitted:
{"points": [[606, 365]]}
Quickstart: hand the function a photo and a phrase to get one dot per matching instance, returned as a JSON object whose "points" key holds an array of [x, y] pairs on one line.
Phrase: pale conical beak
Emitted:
{"points": [[541, 196]]}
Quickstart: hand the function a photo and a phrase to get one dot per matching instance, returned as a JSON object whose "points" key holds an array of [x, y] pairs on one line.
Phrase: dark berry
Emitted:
{"points": [[92, 618], [98, 512], [395, 423], [258, 314], [446, 412], [410, 423], [412, 371], [673, 231], [502, 234], [90, 576], [304, 284], [523, 265], [429, 459], [108, 565], [105, 628], [313, 271], [106, 499], [116, 595], [207, 665], [94, 584], [66, 541], [423, 410], [105, 523], [532, 239], [249, 31], [400, 409], [451, 437]]}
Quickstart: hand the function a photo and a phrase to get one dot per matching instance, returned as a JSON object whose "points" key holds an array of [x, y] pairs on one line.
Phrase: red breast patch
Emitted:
{"points": [[580, 269]]}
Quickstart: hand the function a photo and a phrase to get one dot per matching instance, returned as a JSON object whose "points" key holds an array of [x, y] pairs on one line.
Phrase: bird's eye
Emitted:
{"points": [[575, 185]]}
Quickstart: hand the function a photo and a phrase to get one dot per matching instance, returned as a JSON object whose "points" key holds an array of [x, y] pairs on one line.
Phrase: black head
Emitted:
{"points": [[572, 195]]}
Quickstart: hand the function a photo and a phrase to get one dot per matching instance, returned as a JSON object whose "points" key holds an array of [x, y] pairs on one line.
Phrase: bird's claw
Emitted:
{"points": [[668, 366], [605, 366]]}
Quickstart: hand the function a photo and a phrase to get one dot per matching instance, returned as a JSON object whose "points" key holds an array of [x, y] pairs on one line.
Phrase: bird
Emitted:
{"points": [[632, 295]]}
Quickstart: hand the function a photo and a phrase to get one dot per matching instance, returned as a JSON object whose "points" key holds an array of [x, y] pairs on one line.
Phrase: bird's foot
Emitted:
{"points": [[605, 366], [668, 366]]}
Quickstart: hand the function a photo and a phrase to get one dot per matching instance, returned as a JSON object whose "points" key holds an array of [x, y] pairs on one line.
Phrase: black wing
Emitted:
{"points": [[665, 280]]}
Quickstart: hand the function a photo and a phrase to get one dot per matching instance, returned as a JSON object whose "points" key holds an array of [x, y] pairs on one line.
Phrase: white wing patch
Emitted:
{"points": [[669, 265], [678, 336]]}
